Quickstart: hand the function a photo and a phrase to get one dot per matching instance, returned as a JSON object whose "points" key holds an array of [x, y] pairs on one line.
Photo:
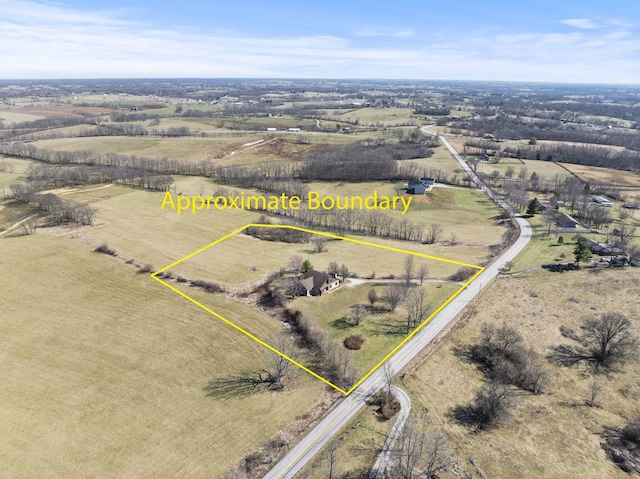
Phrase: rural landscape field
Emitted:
{"points": [[112, 374], [301, 240]]}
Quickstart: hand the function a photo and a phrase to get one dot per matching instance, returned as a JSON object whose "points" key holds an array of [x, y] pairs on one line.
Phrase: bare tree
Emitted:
{"points": [[358, 314], [393, 295], [416, 308], [332, 459], [595, 388], [372, 296], [626, 234], [285, 345], [435, 231], [422, 273], [491, 406], [610, 338], [407, 276], [606, 341], [418, 448], [295, 264], [320, 243]]}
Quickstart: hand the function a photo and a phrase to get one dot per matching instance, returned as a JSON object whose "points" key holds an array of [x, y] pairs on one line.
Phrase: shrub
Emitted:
{"points": [[463, 274], [207, 286], [354, 342], [104, 249], [631, 431]]}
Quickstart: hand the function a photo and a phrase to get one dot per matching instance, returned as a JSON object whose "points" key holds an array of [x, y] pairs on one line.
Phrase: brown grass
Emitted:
{"points": [[594, 174], [105, 373], [555, 434]]}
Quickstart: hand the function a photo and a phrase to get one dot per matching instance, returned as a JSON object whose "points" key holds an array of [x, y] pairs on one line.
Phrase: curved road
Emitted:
{"points": [[330, 425], [382, 463]]}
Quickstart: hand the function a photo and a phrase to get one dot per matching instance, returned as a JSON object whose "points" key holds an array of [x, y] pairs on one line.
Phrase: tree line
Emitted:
{"points": [[506, 126], [60, 211]]}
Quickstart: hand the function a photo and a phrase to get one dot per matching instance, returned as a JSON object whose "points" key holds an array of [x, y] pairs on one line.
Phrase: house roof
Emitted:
{"points": [[313, 279]]}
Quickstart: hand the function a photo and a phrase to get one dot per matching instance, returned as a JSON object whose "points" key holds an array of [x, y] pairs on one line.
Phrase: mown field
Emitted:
{"points": [[553, 435], [594, 174], [382, 329], [106, 372]]}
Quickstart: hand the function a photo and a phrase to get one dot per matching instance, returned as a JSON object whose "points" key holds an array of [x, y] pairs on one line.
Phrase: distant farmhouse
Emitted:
{"points": [[421, 186], [599, 200], [604, 249], [317, 283], [565, 221]]}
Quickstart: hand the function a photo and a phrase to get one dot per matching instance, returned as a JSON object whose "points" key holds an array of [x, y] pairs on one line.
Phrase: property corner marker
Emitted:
{"points": [[328, 235]]}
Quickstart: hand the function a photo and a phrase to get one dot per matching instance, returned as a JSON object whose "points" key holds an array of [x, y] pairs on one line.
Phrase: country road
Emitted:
{"points": [[384, 459], [340, 416]]}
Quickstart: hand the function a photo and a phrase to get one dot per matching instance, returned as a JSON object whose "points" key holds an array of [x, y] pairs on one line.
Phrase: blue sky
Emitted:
{"points": [[556, 41]]}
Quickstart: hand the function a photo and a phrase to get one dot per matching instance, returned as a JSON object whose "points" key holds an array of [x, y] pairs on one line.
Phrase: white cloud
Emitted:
{"points": [[370, 32], [583, 23], [49, 41]]}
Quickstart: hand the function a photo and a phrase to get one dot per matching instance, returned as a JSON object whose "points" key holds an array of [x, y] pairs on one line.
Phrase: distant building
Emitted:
{"points": [[421, 186], [599, 200], [563, 220], [604, 249]]}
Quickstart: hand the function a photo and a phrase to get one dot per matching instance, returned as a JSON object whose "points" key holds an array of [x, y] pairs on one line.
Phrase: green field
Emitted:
{"points": [[382, 329]]}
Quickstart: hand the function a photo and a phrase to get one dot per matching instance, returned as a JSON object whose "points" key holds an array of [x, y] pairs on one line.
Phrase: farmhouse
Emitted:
{"points": [[563, 220], [421, 186], [603, 248], [317, 283]]}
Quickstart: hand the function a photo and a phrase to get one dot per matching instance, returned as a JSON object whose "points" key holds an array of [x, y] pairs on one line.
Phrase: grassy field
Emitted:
{"points": [[546, 169], [379, 116], [382, 329], [536, 442], [193, 149], [462, 212], [105, 373], [12, 171], [243, 259], [594, 174], [544, 250]]}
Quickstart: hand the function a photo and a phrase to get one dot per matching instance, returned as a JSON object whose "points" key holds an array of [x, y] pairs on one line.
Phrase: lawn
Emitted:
{"points": [[105, 373], [382, 329]]}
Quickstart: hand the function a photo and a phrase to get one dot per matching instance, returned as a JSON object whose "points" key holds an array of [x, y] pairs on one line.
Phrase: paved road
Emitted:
{"points": [[384, 459], [340, 416]]}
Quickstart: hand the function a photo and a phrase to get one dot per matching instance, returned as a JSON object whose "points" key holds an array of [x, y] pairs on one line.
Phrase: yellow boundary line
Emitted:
{"points": [[329, 235]]}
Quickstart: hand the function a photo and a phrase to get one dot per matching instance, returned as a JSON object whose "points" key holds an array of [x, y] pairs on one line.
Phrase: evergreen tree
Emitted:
{"points": [[533, 207], [582, 251], [306, 266]]}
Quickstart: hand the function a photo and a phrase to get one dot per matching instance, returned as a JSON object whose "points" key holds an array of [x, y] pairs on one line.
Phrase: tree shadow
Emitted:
{"points": [[342, 323], [465, 415], [234, 387], [464, 352], [386, 328]]}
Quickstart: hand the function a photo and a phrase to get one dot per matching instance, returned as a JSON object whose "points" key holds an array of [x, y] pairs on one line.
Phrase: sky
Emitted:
{"points": [[574, 41]]}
